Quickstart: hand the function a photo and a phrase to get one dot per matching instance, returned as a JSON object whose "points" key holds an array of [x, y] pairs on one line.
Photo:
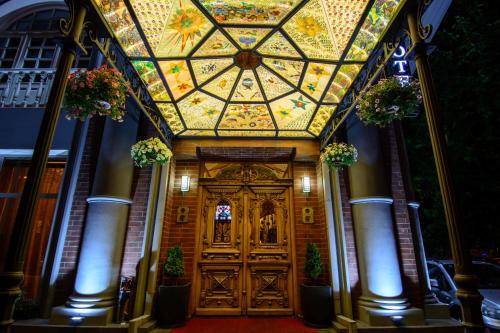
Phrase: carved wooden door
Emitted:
{"points": [[244, 260]]}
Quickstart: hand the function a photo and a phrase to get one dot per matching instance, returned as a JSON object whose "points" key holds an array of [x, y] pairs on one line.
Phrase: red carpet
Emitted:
{"points": [[244, 325]]}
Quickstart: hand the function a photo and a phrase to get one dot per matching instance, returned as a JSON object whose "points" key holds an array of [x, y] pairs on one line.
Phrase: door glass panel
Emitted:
{"points": [[267, 225], [222, 223]]}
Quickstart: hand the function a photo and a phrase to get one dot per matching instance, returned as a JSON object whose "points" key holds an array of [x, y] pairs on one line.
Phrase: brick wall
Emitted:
{"points": [[317, 231]]}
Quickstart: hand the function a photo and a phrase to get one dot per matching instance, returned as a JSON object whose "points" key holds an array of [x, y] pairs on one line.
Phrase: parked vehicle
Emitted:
{"points": [[441, 274]]}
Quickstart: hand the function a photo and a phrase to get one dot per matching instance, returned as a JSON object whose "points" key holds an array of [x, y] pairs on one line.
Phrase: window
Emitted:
{"points": [[222, 223], [267, 225], [437, 274]]}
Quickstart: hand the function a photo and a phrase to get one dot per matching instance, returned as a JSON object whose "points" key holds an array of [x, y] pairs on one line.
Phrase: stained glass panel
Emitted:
{"points": [[294, 134], [293, 111], [204, 69], [222, 85], [168, 112], [198, 133], [216, 44], [147, 71], [341, 83], [273, 86], [178, 77], [321, 117], [245, 133], [246, 116], [200, 110], [278, 45], [247, 89], [316, 79], [222, 222], [247, 38], [288, 69]]}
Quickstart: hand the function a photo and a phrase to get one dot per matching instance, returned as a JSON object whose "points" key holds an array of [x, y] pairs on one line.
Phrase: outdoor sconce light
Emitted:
{"points": [[185, 183], [306, 184]]}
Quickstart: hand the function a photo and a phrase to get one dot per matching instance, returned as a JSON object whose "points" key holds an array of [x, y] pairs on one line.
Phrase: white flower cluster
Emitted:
{"points": [[338, 155], [147, 152]]}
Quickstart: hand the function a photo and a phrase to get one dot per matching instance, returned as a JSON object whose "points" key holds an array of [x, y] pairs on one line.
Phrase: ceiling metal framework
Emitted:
{"points": [[181, 114]]}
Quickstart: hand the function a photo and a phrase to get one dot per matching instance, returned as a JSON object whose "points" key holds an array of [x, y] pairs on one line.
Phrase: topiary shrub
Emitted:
{"points": [[313, 267], [174, 265]]}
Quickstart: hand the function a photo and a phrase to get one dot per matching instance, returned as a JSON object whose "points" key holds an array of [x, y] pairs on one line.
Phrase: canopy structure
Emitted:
{"points": [[260, 68]]}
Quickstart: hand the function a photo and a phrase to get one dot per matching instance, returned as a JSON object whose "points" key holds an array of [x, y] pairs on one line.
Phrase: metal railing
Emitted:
{"points": [[23, 88]]}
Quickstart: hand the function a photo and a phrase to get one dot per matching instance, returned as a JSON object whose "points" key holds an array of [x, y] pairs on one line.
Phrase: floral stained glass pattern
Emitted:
{"points": [[246, 116], [316, 79], [278, 45], [247, 38], [154, 84], [221, 86], [250, 11], [273, 86], [247, 89], [207, 68], [293, 111], [322, 115], [168, 112], [288, 69], [216, 45], [200, 110], [341, 83], [178, 77]]}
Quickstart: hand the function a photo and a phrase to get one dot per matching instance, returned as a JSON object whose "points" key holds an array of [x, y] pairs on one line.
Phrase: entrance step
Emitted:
{"points": [[42, 326]]}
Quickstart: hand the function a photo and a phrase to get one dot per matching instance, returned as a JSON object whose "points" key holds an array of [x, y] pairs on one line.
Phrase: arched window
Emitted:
{"points": [[33, 42], [268, 230], [222, 223]]}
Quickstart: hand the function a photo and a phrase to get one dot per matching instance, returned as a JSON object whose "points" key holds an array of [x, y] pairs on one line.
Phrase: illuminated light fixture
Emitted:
{"points": [[185, 183], [306, 184]]}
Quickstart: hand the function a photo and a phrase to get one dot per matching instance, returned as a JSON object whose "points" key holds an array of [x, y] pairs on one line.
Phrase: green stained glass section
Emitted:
{"points": [[373, 29], [247, 89], [288, 69], [205, 69], [341, 83], [217, 44], [148, 73], [316, 79], [221, 86], [246, 116], [277, 45], [293, 112], [200, 110], [247, 38], [168, 112], [273, 86], [322, 115]]}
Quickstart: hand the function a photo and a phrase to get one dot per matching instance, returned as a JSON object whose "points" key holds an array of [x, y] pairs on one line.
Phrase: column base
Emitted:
{"points": [[9, 292], [62, 315], [385, 317]]}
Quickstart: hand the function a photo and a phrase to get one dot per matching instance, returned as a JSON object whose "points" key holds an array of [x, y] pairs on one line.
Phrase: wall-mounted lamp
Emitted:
{"points": [[185, 183], [306, 184]]}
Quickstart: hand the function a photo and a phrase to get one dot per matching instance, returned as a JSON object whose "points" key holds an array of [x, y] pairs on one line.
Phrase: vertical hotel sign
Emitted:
{"points": [[400, 65]]}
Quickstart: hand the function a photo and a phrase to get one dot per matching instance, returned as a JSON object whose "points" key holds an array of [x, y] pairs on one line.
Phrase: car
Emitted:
{"points": [[441, 274]]}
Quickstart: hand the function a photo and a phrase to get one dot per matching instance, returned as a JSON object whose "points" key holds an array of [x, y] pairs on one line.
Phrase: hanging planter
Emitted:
{"points": [[146, 152], [388, 100], [101, 91], [339, 155]]}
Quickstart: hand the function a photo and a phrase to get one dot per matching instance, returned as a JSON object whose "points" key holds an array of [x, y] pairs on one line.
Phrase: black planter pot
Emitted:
{"points": [[317, 305], [172, 305]]}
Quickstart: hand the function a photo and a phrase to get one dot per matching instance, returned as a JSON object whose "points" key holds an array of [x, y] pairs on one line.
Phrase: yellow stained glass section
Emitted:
{"points": [[152, 15], [250, 11], [247, 89], [204, 69], [343, 18], [277, 45], [316, 79], [200, 110], [341, 83], [185, 27], [198, 133], [178, 77], [245, 133], [273, 86], [216, 44], [373, 29], [246, 116], [295, 134], [147, 71], [293, 112], [247, 38], [170, 114], [309, 29], [118, 17], [322, 115], [222, 85], [290, 70]]}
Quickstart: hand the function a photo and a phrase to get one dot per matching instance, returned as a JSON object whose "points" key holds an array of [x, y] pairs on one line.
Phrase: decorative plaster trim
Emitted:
{"points": [[371, 200], [118, 200], [413, 204]]}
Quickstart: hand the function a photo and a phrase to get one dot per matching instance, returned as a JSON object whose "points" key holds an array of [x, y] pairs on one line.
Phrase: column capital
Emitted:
{"points": [[102, 198], [371, 200]]}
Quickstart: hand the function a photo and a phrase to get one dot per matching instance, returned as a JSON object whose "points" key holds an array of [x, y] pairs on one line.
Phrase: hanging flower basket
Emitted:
{"points": [[101, 91], [388, 100], [146, 152], [339, 155]]}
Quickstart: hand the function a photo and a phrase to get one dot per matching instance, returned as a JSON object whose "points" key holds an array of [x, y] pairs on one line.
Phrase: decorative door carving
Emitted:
{"points": [[244, 259]]}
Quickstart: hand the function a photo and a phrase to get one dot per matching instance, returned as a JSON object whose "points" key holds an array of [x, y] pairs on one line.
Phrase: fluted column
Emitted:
{"points": [[97, 280], [382, 301]]}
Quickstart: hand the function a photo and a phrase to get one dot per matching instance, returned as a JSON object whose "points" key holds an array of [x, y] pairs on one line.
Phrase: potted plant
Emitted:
{"points": [[146, 152], [338, 155], [316, 297], [173, 296], [388, 100], [101, 91]]}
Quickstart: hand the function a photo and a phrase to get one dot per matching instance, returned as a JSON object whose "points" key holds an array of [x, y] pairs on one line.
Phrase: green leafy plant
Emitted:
{"points": [[389, 100], [101, 91], [147, 152], [313, 267], [174, 265], [339, 155]]}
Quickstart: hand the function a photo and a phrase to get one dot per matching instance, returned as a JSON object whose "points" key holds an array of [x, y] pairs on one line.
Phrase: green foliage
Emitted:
{"points": [[313, 267], [339, 155], [465, 71], [146, 152], [174, 265]]}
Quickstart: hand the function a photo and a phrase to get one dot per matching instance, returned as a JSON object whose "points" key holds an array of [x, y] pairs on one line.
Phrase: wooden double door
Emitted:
{"points": [[244, 253]]}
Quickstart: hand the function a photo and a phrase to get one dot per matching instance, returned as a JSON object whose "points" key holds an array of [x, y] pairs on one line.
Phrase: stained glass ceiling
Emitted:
{"points": [[256, 68]]}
